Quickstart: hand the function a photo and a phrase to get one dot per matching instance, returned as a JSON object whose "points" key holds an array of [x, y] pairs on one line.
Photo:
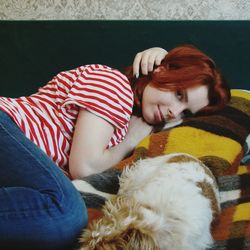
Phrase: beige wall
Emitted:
{"points": [[125, 9]]}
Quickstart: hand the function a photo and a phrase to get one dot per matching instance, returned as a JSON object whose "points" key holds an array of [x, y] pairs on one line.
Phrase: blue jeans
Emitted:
{"points": [[39, 206]]}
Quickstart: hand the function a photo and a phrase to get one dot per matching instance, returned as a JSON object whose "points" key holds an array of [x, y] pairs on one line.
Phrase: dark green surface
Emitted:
{"points": [[31, 52]]}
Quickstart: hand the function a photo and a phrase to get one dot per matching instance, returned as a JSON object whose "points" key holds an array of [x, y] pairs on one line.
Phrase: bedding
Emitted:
{"points": [[222, 142]]}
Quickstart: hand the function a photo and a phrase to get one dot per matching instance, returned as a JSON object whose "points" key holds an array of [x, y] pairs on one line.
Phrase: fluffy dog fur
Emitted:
{"points": [[167, 202]]}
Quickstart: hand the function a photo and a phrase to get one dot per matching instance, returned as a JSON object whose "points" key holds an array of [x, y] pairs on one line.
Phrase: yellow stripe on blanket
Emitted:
{"points": [[242, 170], [242, 212], [201, 143], [144, 143], [240, 93]]}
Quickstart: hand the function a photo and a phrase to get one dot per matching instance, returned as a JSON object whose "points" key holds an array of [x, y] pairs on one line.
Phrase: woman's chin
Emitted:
{"points": [[150, 121]]}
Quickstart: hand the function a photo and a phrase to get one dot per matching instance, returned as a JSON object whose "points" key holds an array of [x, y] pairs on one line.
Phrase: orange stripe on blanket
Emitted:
{"points": [[157, 144], [248, 168], [94, 214], [221, 230], [248, 230], [234, 165], [238, 229]]}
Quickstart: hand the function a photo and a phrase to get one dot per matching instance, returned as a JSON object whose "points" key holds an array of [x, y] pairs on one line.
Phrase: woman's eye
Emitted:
{"points": [[179, 94]]}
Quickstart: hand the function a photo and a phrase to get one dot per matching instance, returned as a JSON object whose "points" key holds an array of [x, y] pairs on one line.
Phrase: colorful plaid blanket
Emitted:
{"points": [[222, 142]]}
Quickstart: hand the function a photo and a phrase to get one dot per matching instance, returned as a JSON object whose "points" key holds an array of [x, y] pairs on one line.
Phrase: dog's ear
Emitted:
{"points": [[140, 239], [106, 244]]}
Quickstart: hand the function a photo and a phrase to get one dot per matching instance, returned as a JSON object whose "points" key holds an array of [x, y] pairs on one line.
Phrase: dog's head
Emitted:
{"points": [[120, 228]]}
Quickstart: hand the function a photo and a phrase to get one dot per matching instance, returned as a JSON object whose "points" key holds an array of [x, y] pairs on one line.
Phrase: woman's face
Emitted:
{"points": [[160, 106]]}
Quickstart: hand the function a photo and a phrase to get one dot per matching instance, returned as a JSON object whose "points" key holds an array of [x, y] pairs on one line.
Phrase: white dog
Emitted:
{"points": [[166, 203]]}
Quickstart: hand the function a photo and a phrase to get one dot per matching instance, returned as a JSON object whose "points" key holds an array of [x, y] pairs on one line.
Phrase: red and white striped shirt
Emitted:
{"points": [[48, 117]]}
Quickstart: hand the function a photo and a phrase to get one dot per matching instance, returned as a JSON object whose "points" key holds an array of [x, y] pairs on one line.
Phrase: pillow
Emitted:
{"points": [[221, 141]]}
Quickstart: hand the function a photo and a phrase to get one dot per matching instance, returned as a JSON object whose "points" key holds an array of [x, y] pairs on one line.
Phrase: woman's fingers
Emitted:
{"points": [[136, 64], [147, 59]]}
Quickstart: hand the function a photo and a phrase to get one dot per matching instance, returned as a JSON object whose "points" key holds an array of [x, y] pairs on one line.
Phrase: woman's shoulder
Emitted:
{"points": [[106, 70], [98, 70], [108, 78]]}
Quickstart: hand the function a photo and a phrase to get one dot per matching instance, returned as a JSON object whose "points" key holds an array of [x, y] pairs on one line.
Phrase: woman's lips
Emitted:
{"points": [[162, 116], [159, 118]]}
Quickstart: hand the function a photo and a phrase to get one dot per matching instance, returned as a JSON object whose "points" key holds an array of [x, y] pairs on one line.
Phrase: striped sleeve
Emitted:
{"points": [[105, 92]]}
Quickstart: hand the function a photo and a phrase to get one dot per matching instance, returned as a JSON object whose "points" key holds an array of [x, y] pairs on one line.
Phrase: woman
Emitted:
{"points": [[80, 122]]}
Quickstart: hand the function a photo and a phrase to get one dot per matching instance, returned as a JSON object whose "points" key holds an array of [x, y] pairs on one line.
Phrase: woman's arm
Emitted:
{"points": [[89, 153], [146, 60]]}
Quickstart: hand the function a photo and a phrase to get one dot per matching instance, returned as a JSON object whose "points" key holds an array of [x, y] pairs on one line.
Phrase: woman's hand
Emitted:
{"points": [[147, 59]]}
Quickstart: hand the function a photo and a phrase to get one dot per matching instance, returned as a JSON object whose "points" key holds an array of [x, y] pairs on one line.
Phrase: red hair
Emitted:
{"points": [[182, 68]]}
